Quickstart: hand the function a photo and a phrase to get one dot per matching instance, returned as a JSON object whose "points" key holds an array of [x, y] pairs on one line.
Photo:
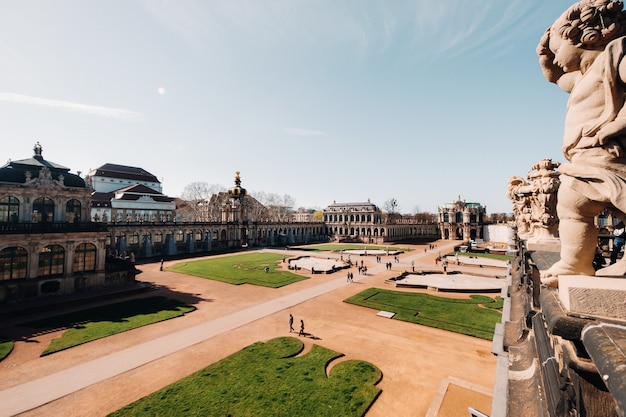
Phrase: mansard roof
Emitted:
{"points": [[130, 193], [124, 172], [137, 189], [460, 204], [367, 206], [16, 171], [135, 192]]}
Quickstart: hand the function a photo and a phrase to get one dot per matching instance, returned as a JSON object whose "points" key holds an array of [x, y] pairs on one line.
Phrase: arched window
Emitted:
{"points": [[13, 263], [84, 258], [9, 209], [133, 239], [72, 211], [51, 261], [158, 237], [43, 210]]}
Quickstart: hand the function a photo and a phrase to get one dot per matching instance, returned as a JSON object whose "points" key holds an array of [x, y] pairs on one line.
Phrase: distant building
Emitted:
{"points": [[362, 222], [47, 243], [128, 194], [366, 223], [303, 215], [461, 220]]}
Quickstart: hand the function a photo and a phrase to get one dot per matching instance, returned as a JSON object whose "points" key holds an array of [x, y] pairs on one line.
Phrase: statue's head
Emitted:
{"points": [[591, 24]]}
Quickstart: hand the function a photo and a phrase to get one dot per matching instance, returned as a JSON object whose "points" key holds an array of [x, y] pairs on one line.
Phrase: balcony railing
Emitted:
{"points": [[28, 228]]}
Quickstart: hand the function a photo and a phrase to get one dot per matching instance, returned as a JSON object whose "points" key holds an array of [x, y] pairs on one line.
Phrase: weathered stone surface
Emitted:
{"points": [[598, 302], [593, 296], [606, 344]]}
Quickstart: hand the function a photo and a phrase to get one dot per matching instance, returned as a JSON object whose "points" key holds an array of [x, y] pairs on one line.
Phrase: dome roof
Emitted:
{"points": [[237, 191], [23, 170]]}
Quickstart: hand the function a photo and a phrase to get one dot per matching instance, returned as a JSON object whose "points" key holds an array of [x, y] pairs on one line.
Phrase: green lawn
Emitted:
{"points": [[6, 346], [95, 323], [267, 380], [483, 255], [247, 268], [350, 246], [474, 317]]}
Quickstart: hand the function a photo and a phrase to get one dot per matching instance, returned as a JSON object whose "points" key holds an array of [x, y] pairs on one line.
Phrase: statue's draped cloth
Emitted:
{"points": [[597, 171]]}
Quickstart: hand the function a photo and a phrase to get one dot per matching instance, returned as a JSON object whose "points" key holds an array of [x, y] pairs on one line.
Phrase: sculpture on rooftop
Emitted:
{"points": [[534, 202], [583, 53]]}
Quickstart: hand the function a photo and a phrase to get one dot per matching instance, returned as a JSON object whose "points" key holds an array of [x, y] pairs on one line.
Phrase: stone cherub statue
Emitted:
{"points": [[583, 53]]}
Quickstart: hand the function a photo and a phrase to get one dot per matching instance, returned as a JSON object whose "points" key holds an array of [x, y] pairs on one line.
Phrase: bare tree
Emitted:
{"points": [[391, 206], [279, 208], [197, 195], [425, 217]]}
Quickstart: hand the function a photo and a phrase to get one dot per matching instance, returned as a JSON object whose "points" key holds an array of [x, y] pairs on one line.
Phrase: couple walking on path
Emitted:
{"points": [[301, 333]]}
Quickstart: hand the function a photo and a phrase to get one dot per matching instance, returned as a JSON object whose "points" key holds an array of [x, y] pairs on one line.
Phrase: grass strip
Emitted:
{"points": [[247, 268], [483, 255], [351, 246], [268, 380], [6, 347], [95, 323], [476, 316]]}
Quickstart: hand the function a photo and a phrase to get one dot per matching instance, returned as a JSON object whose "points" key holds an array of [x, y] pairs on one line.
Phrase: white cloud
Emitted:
{"points": [[303, 132], [108, 112]]}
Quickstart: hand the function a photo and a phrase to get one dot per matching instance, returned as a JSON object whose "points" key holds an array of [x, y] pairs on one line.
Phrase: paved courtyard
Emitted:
{"points": [[426, 371]]}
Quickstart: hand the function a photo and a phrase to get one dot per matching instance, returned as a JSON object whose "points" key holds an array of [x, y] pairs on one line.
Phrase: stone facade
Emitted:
{"points": [[366, 223], [358, 222], [461, 220], [47, 243]]}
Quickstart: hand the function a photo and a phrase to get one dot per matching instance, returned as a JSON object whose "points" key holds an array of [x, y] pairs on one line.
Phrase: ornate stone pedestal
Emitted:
{"points": [[602, 297]]}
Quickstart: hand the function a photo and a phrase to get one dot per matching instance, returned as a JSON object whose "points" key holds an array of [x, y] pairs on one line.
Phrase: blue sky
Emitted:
{"points": [[421, 101]]}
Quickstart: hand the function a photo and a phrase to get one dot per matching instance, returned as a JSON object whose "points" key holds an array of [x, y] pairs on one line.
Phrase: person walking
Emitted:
{"points": [[618, 241], [290, 323], [301, 328]]}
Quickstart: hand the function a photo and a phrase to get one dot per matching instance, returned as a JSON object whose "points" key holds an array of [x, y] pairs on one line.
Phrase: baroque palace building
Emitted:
{"points": [[461, 220], [48, 245], [366, 223]]}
